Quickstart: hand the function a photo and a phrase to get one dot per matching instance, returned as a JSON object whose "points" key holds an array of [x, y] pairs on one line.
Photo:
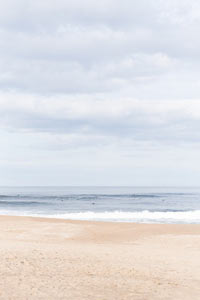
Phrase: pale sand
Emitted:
{"points": [[56, 259]]}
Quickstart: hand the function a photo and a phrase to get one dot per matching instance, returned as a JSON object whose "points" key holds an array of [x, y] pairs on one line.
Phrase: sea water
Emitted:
{"points": [[118, 204]]}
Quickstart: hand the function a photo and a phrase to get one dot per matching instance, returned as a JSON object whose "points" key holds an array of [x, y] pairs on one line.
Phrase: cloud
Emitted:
{"points": [[88, 115], [85, 47], [106, 83]]}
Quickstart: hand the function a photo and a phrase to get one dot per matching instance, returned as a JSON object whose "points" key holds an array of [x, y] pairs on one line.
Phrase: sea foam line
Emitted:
{"points": [[120, 216]]}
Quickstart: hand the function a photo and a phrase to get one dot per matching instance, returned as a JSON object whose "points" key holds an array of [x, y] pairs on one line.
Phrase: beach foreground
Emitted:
{"points": [[58, 259]]}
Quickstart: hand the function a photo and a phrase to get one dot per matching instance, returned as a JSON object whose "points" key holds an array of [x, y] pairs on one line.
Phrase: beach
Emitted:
{"points": [[45, 258]]}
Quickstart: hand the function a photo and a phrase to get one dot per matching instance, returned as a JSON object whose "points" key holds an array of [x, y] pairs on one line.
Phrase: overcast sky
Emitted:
{"points": [[99, 92]]}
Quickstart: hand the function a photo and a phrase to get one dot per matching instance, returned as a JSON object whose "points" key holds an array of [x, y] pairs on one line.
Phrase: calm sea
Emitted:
{"points": [[120, 204]]}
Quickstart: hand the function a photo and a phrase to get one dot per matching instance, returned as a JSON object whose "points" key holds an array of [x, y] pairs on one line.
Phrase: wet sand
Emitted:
{"points": [[76, 260]]}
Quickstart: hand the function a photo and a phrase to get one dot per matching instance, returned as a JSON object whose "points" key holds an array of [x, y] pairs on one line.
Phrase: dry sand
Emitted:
{"points": [[57, 259]]}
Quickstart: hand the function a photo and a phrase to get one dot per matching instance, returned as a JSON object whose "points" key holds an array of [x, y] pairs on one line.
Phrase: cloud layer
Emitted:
{"points": [[100, 87]]}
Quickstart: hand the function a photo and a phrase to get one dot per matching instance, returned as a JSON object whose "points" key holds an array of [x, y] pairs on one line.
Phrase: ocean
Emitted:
{"points": [[117, 204]]}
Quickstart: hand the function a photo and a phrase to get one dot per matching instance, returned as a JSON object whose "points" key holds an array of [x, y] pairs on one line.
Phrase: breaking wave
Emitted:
{"points": [[187, 217]]}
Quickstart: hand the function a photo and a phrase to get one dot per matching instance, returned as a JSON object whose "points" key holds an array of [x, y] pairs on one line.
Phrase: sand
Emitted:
{"points": [[57, 259]]}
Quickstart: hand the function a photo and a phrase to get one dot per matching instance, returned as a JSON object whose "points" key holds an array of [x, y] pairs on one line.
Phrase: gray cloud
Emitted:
{"points": [[90, 47], [105, 84], [158, 120]]}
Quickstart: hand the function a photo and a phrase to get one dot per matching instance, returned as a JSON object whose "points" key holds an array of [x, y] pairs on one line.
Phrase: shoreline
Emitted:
{"points": [[43, 258], [95, 221]]}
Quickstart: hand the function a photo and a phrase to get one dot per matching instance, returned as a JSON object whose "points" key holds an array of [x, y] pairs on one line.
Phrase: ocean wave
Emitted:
{"points": [[121, 216], [21, 203], [137, 216], [88, 197]]}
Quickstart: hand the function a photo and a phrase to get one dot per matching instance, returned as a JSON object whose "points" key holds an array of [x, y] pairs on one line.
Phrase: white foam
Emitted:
{"points": [[120, 216]]}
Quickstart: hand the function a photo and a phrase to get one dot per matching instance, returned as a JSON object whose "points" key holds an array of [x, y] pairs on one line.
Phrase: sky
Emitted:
{"points": [[100, 92]]}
